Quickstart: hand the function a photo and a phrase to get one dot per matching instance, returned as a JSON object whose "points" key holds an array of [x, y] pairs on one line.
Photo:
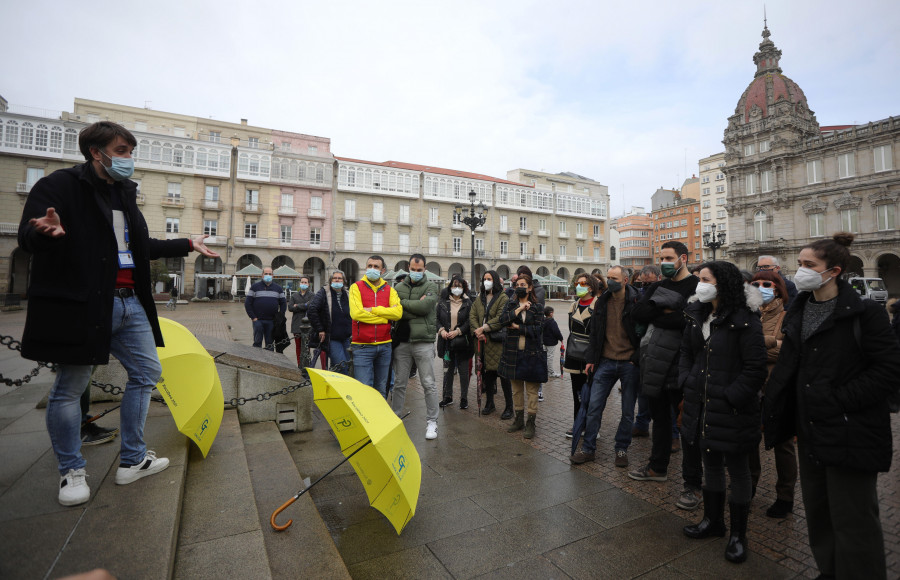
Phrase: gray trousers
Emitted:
{"points": [[423, 354], [842, 518]]}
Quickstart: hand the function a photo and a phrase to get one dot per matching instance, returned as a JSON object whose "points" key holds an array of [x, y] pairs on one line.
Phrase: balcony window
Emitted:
{"points": [[210, 227], [171, 225], [286, 234], [315, 237], [250, 231]]}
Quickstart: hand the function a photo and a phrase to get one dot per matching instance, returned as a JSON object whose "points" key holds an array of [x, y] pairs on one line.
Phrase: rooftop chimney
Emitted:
{"points": [[243, 121]]}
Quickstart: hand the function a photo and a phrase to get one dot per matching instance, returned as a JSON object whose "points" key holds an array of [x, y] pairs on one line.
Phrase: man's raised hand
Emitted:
{"points": [[49, 225]]}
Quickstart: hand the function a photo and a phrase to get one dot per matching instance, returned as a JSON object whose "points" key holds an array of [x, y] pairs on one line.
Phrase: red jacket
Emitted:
{"points": [[368, 332]]}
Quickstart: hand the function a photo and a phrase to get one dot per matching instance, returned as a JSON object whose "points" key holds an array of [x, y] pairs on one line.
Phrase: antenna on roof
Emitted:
{"points": [[765, 20]]}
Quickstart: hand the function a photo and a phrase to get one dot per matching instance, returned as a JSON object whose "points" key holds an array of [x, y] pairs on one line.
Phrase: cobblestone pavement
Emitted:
{"points": [[783, 541]]}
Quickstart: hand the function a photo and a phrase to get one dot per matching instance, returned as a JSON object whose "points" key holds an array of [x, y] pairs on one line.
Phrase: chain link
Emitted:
{"points": [[111, 389]]}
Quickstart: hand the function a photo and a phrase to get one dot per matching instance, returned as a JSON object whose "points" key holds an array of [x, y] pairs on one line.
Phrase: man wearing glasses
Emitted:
{"points": [[770, 264]]}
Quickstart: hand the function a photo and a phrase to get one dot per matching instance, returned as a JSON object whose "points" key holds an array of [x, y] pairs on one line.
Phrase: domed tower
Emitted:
{"points": [[772, 109]]}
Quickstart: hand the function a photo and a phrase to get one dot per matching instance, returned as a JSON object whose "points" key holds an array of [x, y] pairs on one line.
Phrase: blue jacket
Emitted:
{"points": [[263, 302]]}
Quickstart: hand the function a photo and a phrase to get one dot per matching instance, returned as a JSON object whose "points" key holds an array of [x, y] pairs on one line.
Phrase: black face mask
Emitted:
{"points": [[613, 286], [521, 292]]}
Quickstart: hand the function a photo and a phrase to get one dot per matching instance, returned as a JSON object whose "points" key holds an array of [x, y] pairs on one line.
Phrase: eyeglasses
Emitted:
{"points": [[763, 284], [764, 268]]}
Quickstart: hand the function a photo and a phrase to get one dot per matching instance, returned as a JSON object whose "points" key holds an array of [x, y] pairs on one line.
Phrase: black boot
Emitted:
{"points": [[489, 403], [519, 423], [713, 522], [507, 396], [736, 551], [529, 427]]}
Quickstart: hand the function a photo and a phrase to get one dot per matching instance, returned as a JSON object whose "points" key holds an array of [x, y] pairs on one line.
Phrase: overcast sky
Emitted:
{"points": [[630, 94]]}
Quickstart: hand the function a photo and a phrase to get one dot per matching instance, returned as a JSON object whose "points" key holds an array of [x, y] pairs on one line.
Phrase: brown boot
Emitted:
{"points": [[519, 423], [529, 427]]}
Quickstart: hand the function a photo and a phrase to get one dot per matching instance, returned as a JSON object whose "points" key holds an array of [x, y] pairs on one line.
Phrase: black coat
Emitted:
{"points": [[532, 328], [462, 322], [321, 319], [70, 293], [830, 391], [721, 378], [598, 325]]}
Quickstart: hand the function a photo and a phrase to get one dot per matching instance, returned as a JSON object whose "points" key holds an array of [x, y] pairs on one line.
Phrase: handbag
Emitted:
{"points": [[533, 367], [460, 342], [577, 347], [498, 335]]}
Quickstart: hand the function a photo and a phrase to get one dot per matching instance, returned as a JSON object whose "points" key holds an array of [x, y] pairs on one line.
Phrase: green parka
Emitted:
{"points": [[419, 321], [492, 350]]}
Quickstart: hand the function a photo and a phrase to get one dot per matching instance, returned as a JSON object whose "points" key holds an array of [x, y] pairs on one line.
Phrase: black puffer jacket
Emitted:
{"points": [[662, 341], [721, 377], [462, 322], [832, 392]]}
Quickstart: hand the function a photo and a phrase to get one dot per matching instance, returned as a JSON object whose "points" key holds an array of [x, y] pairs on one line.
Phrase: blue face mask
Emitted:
{"points": [[337, 285], [768, 294], [373, 275], [416, 276], [304, 286], [120, 167], [267, 278]]}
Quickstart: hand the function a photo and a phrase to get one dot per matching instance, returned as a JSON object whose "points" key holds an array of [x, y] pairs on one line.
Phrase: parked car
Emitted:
{"points": [[871, 288]]}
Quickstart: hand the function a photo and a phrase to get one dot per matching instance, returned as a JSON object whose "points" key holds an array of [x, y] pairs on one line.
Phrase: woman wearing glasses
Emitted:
{"points": [[774, 293]]}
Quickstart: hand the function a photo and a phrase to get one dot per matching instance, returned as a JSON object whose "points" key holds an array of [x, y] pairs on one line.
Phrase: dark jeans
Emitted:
{"points": [[606, 375], [577, 383], [842, 519], [738, 464], [642, 418], [458, 363], [785, 469], [263, 329], [662, 410]]}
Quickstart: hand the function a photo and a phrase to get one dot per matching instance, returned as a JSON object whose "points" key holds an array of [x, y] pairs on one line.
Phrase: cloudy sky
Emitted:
{"points": [[630, 94]]}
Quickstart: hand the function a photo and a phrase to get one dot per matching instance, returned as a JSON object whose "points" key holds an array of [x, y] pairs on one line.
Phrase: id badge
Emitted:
{"points": [[126, 260]]}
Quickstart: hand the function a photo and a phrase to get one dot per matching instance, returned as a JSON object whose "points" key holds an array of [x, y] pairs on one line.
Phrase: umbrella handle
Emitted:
{"points": [[283, 507]]}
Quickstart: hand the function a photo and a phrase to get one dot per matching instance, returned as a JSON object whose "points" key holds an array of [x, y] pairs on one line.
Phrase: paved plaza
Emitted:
{"points": [[495, 505]]}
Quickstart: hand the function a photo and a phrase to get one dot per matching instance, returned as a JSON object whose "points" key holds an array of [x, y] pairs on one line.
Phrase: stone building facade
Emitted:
{"points": [[713, 199], [790, 182]]}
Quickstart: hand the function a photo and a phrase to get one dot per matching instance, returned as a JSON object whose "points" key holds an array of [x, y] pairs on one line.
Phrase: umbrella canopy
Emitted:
{"points": [[392, 274], [190, 384], [389, 465], [555, 281], [249, 270], [434, 277], [247, 285], [234, 286]]}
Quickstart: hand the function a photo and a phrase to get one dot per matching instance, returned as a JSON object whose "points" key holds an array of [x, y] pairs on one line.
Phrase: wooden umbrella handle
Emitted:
{"points": [[283, 507]]}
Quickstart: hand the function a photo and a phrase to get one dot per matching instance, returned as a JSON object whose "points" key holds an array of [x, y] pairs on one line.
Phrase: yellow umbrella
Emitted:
{"points": [[190, 384], [375, 442]]}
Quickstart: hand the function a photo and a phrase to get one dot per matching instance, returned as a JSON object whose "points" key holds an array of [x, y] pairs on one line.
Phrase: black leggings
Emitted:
{"points": [[738, 465]]}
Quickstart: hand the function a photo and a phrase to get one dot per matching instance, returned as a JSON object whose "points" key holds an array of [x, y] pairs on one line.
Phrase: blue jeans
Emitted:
{"points": [[133, 345], [263, 329], [370, 365], [339, 351], [605, 377]]}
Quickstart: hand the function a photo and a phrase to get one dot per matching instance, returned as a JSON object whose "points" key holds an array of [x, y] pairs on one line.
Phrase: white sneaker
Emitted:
{"points": [[431, 430], [73, 489], [149, 465]]}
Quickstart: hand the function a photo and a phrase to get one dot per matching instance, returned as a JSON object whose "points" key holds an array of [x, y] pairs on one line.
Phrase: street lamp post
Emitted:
{"points": [[714, 240], [474, 217]]}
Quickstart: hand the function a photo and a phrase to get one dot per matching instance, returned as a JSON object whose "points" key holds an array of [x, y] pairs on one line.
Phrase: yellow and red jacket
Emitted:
{"points": [[373, 327]]}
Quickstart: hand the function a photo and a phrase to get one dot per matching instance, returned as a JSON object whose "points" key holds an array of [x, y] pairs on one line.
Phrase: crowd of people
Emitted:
{"points": [[714, 357], [693, 352]]}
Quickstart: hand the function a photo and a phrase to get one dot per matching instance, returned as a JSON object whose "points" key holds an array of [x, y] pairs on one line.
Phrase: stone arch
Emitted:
{"points": [[543, 271], [433, 267], [888, 269], [503, 271], [350, 269], [579, 271], [315, 267], [563, 273], [402, 265], [599, 271], [283, 260], [19, 272], [248, 259], [480, 269], [456, 269], [203, 281]]}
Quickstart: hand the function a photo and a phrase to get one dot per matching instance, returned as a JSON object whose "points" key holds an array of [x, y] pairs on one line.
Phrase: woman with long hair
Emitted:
{"points": [[838, 366], [774, 295], [484, 320], [721, 369], [524, 360], [586, 291], [454, 343]]}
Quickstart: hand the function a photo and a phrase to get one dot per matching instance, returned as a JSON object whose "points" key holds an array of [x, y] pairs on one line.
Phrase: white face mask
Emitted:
{"points": [[807, 279], [456, 291], [488, 284], [706, 292]]}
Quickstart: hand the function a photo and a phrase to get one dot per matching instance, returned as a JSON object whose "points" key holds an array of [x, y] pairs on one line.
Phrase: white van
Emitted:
{"points": [[871, 288]]}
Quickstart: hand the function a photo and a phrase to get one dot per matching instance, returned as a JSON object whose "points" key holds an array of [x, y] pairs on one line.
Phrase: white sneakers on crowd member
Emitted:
{"points": [[149, 465], [431, 430], [73, 489]]}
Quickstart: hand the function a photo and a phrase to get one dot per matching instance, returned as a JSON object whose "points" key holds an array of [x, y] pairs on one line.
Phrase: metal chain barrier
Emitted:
{"points": [[13, 344]]}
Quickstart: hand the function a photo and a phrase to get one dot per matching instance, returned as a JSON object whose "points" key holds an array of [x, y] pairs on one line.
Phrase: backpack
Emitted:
{"points": [[893, 398]]}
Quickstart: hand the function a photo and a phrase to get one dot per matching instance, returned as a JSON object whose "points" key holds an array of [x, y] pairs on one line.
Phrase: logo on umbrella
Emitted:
{"points": [[343, 423], [203, 427], [399, 465]]}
